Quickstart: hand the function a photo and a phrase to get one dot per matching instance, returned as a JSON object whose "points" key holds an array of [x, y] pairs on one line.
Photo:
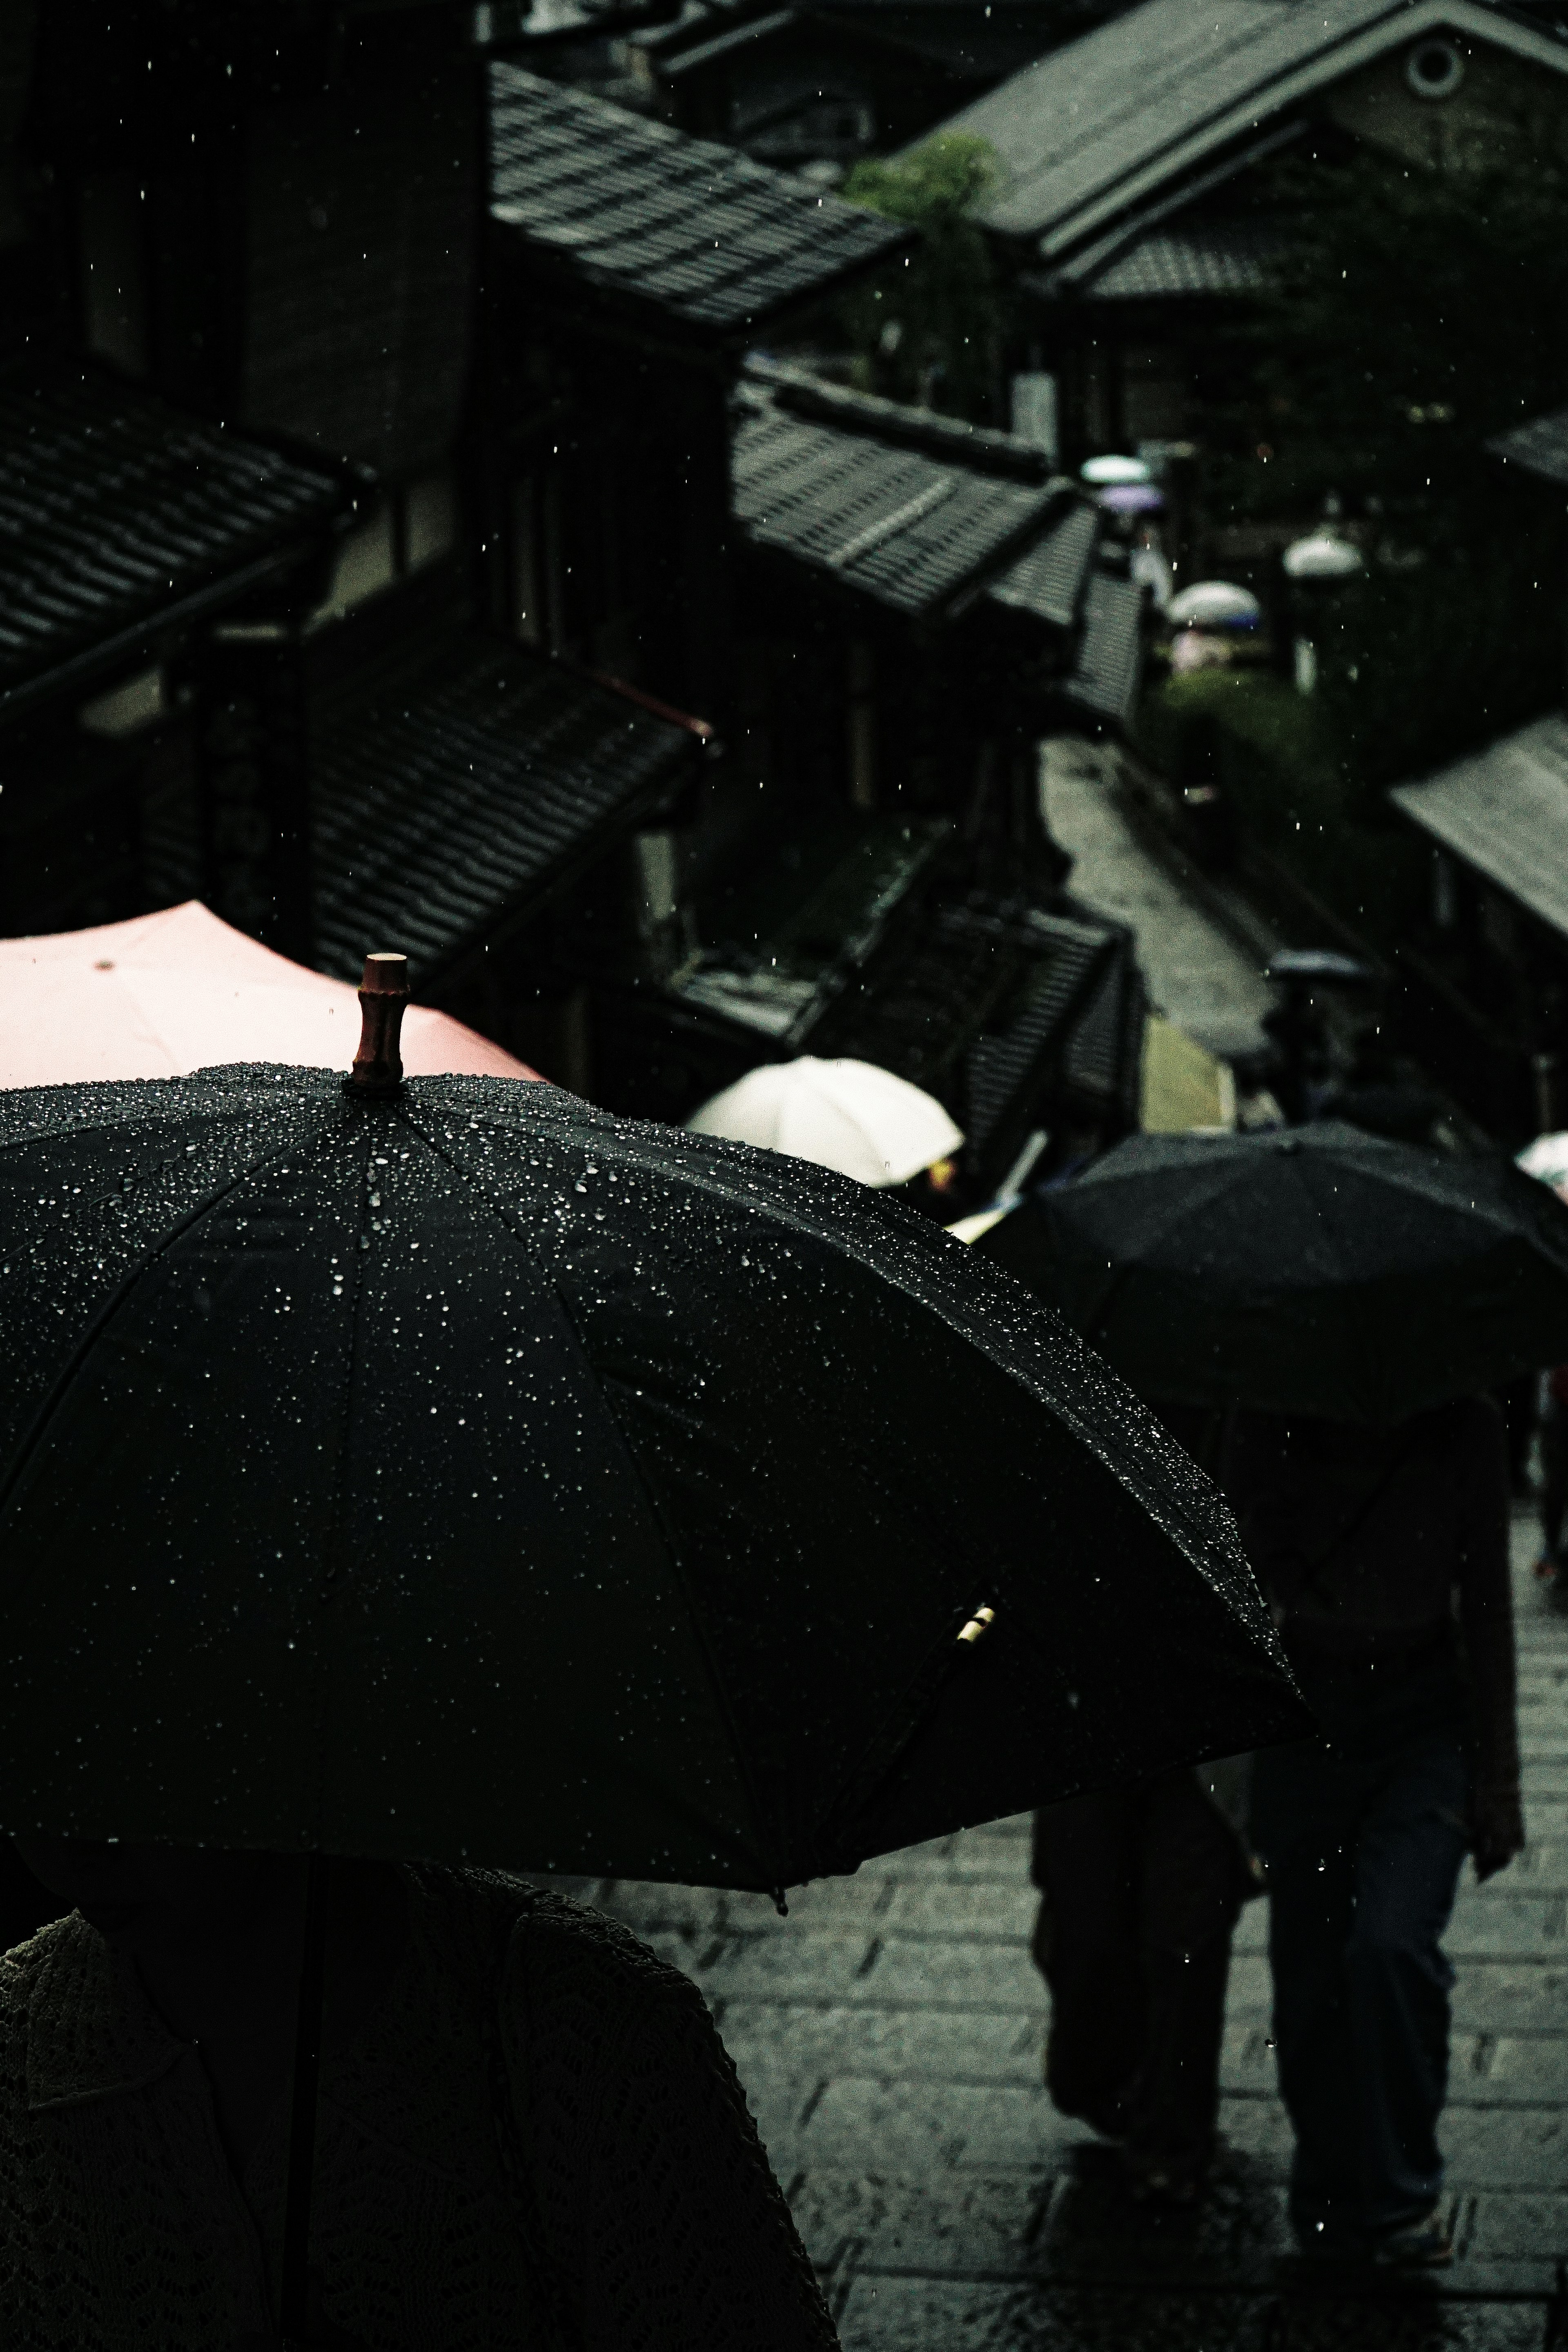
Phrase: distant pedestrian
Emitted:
{"points": [[1385, 1556], [529, 2132], [1140, 1890]]}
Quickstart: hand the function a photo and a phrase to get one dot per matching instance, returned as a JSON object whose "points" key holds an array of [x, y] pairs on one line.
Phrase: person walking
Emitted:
{"points": [[1141, 1888], [1139, 1891], [1385, 1557], [529, 2132]]}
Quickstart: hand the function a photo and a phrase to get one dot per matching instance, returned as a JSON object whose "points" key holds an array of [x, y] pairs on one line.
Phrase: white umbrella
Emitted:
{"points": [[1322, 555], [851, 1115], [1546, 1158], [1102, 471], [1214, 605]]}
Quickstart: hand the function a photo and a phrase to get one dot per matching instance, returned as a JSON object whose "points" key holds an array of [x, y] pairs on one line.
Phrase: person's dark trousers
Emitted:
{"points": [[1363, 1837], [1553, 1502], [1141, 1888]]}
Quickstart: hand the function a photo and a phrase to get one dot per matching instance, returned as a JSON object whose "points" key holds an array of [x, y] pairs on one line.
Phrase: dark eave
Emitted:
{"points": [[450, 803], [123, 520]]}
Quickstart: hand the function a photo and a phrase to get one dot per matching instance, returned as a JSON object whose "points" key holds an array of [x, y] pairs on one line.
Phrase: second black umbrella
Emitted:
{"points": [[1320, 1271]]}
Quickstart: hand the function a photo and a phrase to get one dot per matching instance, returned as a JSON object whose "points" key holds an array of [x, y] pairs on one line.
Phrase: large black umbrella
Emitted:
{"points": [[1320, 1270], [465, 1474]]}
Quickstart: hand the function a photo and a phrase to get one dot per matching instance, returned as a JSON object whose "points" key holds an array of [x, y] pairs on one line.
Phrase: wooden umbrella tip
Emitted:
{"points": [[382, 994], [385, 973]]}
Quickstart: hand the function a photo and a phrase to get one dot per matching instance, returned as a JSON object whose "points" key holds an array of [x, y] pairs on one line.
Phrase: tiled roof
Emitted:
{"points": [[1094, 128], [1504, 812], [1211, 257], [687, 232], [117, 512], [445, 803], [898, 525], [1538, 447], [1109, 671], [806, 394], [979, 1006], [1049, 580]]}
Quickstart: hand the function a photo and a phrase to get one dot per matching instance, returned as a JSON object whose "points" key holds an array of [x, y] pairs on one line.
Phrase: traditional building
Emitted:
{"points": [[416, 539], [1132, 194], [1486, 974], [130, 532], [823, 85], [919, 604]]}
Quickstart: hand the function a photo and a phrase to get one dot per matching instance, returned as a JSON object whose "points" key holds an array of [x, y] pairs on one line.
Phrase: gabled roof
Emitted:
{"points": [[119, 516], [1094, 130], [1540, 447], [446, 805], [679, 231], [899, 524], [1504, 812]]}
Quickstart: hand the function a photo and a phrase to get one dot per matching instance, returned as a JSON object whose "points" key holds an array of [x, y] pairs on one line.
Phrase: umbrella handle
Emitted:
{"points": [[384, 992], [302, 2112]]}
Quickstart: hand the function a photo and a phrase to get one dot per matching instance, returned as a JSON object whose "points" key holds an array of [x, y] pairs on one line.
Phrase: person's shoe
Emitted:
{"points": [[1418, 2245]]}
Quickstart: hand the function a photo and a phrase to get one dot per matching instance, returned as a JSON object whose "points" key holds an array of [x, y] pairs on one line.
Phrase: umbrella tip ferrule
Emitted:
{"points": [[983, 1619], [382, 994]]}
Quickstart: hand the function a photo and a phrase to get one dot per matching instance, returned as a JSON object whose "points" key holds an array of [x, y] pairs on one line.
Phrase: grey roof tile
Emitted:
{"points": [[1540, 447], [446, 800], [1110, 668], [1049, 580], [901, 526], [1504, 812], [676, 226], [1213, 257]]}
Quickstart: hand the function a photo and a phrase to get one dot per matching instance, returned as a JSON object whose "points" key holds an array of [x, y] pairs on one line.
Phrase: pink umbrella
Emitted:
{"points": [[179, 991]]}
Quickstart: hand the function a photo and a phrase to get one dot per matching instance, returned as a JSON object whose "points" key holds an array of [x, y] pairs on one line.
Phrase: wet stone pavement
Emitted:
{"points": [[890, 2034]]}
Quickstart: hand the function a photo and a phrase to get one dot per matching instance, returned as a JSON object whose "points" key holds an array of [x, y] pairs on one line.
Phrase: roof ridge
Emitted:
{"points": [[986, 448]]}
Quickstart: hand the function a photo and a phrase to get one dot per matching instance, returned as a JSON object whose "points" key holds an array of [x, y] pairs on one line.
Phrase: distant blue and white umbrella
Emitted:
{"points": [[1214, 605]]}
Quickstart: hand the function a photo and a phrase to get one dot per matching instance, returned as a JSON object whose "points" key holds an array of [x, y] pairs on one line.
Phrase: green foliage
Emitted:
{"points": [[1277, 756], [1417, 666], [932, 332], [1417, 313]]}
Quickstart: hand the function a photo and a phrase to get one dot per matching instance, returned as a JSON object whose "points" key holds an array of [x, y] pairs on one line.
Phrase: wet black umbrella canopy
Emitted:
{"points": [[470, 1475], [1320, 1271]]}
